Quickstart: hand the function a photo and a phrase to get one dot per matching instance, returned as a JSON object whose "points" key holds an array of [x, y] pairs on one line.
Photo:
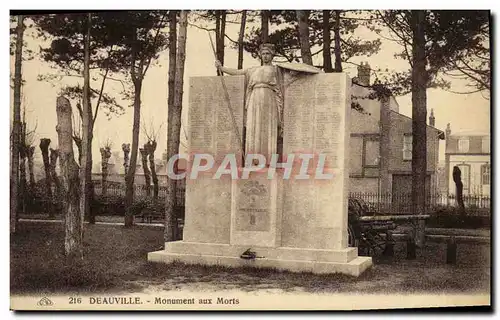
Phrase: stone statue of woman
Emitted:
{"points": [[264, 104]]}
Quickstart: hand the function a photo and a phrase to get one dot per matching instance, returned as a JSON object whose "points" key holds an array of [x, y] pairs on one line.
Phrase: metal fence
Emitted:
{"points": [[383, 203], [401, 203], [119, 189]]}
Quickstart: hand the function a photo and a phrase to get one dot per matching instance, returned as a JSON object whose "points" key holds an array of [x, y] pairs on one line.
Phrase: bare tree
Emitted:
{"points": [[27, 151], [77, 132], [73, 222], [145, 169], [44, 147], [149, 148], [126, 153], [54, 154], [22, 167], [31, 154], [105, 155]]}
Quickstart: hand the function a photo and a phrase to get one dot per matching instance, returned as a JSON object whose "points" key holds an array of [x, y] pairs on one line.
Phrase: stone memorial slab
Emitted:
{"points": [[211, 131], [210, 125], [316, 122]]}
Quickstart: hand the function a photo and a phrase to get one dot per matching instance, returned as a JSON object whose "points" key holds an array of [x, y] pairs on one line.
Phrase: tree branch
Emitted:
{"points": [[470, 92], [480, 81], [102, 86], [389, 25], [154, 43], [202, 28]]}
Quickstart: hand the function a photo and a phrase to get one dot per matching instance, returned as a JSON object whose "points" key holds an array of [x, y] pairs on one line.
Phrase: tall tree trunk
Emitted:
{"points": [[105, 155], [221, 36], [145, 169], [172, 54], [54, 154], [31, 154], [264, 27], [16, 126], [240, 39], [86, 164], [22, 168], [305, 47], [44, 147], [22, 181], [419, 124], [337, 50], [217, 32], [73, 222], [150, 149], [129, 194], [170, 226], [174, 127], [327, 55]]}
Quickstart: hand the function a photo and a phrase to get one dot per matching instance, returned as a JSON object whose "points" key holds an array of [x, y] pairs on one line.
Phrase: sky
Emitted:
{"points": [[469, 112]]}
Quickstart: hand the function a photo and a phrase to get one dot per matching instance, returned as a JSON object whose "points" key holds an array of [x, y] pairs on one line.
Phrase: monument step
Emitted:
{"points": [[354, 267], [280, 253]]}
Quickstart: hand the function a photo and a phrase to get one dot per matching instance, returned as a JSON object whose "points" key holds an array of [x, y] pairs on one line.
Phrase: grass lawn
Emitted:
{"points": [[116, 262]]}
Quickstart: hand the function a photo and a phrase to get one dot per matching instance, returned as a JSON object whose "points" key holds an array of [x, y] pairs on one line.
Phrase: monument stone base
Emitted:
{"points": [[344, 261]]}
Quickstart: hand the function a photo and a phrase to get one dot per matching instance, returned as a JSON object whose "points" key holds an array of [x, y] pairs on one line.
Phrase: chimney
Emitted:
{"points": [[432, 120], [364, 74], [448, 130]]}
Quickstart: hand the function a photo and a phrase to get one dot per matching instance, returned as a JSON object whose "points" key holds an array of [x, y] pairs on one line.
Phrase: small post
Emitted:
{"points": [[411, 247], [451, 251], [389, 245]]}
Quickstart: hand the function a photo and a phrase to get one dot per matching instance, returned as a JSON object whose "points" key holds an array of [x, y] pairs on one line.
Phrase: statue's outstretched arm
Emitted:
{"points": [[233, 72]]}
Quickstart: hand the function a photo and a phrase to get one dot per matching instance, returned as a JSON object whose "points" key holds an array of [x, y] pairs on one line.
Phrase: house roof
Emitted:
{"points": [[470, 133], [440, 132]]}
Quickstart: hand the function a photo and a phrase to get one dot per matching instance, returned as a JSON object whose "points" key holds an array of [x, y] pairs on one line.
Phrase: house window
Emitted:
{"points": [[356, 156], [407, 147], [364, 156], [372, 153], [465, 170], [485, 174], [463, 145], [371, 158], [485, 145]]}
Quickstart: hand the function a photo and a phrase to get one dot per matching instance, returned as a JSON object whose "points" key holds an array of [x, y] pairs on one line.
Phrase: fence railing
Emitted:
{"points": [[401, 203], [114, 189]]}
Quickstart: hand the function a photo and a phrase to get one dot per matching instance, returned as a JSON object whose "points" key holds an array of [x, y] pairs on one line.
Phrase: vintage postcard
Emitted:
{"points": [[250, 160]]}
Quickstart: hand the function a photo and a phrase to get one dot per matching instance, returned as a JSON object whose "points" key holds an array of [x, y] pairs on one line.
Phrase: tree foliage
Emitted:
{"points": [[286, 35], [452, 38]]}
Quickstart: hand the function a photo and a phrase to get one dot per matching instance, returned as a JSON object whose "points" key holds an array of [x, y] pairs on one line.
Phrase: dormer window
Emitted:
{"points": [[485, 145], [463, 145]]}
